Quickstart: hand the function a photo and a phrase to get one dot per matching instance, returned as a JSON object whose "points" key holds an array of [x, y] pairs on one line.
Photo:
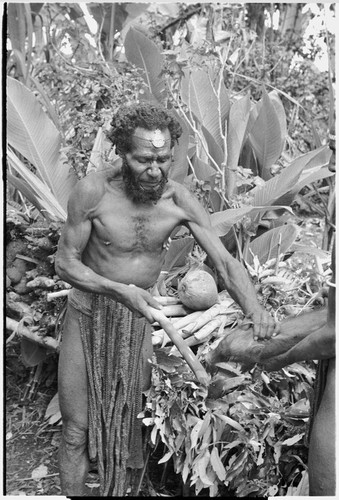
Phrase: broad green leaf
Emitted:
{"points": [[217, 464], [56, 418], [292, 440], [266, 137], [177, 252], [213, 148], [144, 54], [179, 168], [195, 433], [46, 200], [32, 354], [224, 220], [200, 94], [323, 254], [202, 464], [231, 422], [166, 457], [280, 110], [32, 134], [274, 189], [237, 124], [26, 191], [268, 245], [29, 38], [321, 173], [21, 63], [134, 11], [202, 170], [49, 108], [17, 25], [53, 406]]}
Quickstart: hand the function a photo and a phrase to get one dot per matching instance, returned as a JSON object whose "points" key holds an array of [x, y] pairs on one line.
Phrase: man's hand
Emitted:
{"points": [[138, 301], [264, 326]]}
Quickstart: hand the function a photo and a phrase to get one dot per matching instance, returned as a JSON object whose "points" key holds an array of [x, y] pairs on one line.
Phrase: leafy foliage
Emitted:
{"points": [[251, 442]]}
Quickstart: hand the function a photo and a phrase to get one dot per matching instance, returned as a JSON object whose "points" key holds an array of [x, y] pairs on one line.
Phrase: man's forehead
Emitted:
{"points": [[151, 138]]}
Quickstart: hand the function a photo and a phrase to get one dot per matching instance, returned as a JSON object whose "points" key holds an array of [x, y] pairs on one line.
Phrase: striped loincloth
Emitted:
{"points": [[112, 339]]}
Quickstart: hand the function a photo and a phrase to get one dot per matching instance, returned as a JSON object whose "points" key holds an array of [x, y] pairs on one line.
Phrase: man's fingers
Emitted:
{"points": [[246, 324], [153, 302], [264, 326]]}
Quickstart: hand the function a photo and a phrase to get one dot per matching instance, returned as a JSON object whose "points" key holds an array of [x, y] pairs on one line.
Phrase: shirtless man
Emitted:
{"points": [[111, 251]]}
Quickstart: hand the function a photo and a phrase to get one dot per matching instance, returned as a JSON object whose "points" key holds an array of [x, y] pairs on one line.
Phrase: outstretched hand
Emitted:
{"points": [[138, 301], [264, 326]]}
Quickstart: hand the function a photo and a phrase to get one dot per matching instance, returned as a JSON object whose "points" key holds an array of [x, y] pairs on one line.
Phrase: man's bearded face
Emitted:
{"points": [[146, 167], [134, 188]]}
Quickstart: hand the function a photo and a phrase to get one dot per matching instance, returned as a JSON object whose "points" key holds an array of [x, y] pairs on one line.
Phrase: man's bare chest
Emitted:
{"points": [[127, 228]]}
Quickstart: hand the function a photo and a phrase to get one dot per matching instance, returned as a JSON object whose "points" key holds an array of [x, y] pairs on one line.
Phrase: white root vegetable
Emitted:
{"points": [[180, 323], [55, 295], [41, 282], [209, 328], [183, 348], [192, 341], [175, 310], [210, 314], [24, 331], [166, 301]]}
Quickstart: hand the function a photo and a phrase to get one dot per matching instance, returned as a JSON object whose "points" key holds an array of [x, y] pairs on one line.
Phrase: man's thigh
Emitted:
{"points": [[72, 374]]}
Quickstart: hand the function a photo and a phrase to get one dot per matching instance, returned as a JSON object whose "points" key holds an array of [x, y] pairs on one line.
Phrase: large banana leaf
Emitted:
{"points": [[267, 246], [266, 137], [32, 134], [201, 96], [275, 189], [26, 190], [237, 124], [144, 54], [320, 174], [179, 168], [280, 110], [213, 148], [177, 252], [17, 25], [224, 220], [202, 170], [34, 189]]}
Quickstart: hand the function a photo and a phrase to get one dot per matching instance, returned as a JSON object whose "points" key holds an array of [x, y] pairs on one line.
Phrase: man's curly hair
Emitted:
{"points": [[146, 115]]}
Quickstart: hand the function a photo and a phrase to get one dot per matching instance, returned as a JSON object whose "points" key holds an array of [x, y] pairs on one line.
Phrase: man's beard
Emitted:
{"points": [[134, 189]]}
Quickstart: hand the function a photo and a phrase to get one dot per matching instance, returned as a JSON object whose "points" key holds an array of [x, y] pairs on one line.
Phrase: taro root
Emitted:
{"points": [[198, 290]]}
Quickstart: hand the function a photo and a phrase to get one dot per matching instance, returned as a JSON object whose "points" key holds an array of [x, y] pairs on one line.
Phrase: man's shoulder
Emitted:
{"points": [[188, 202], [90, 189], [176, 189], [182, 196]]}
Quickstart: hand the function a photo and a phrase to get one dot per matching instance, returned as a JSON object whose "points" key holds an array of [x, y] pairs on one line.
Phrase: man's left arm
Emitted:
{"points": [[232, 272]]}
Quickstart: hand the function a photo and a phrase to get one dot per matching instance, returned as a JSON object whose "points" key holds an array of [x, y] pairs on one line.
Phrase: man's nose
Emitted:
{"points": [[154, 170]]}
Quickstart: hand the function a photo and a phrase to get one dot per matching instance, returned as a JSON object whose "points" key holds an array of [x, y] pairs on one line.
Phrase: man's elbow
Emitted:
{"points": [[60, 267]]}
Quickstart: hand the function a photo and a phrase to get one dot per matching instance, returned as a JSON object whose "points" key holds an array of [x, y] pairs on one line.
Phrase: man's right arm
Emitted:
{"points": [[72, 243]]}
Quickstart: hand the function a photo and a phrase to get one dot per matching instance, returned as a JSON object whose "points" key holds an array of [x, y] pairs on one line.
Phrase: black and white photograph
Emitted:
{"points": [[169, 297]]}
